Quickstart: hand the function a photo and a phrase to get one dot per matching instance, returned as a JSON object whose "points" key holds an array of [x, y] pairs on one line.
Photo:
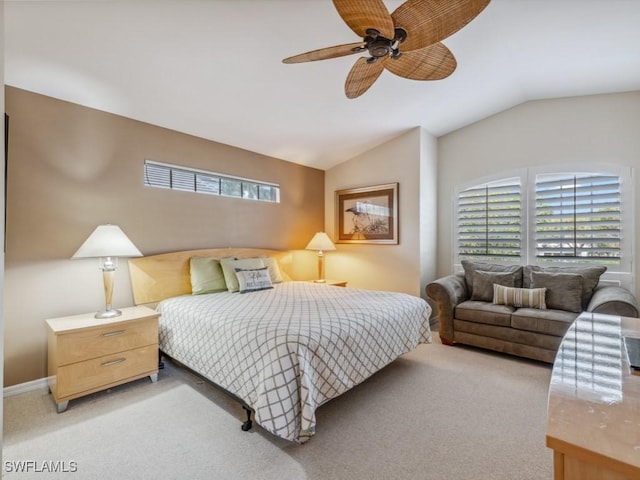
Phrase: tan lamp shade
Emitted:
{"points": [[321, 242]]}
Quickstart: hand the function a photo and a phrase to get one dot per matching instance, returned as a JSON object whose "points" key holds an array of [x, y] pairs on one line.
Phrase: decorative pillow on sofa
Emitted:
{"points": [[564, 290], [590, 275], [252, 280], [206, 276], [519, 297], [470, 267], [483, 283]]}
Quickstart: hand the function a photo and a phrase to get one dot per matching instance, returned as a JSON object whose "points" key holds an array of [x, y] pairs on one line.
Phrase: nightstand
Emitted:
{"points": [[335, 283], [88, 354]]}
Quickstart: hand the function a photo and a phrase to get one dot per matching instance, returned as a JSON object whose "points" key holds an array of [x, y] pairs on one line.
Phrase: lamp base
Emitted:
{"points": [[109, 313], [320, 281]]}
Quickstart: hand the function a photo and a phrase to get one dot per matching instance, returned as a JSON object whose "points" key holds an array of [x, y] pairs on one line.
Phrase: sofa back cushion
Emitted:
{"points": [[590, 278], [483, 283], [564, 290], [471, 266]]}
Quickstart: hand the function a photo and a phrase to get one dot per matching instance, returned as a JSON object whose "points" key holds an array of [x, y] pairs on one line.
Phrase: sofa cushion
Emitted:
{"points": [[484, 312], [514, 336], [564, 290], [520, 297], [549, 322], [483, 283], [471, 266], [590, 275]]}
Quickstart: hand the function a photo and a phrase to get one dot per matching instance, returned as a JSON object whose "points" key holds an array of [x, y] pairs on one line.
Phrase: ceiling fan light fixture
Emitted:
{"points": [[411, 36]]}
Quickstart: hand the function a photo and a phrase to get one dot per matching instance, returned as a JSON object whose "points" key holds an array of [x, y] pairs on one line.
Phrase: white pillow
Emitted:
{"points": [[229, 265], [274, 269]]}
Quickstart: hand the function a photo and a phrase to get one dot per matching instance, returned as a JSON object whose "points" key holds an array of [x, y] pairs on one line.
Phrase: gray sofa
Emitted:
{"points": [[534, 306]]}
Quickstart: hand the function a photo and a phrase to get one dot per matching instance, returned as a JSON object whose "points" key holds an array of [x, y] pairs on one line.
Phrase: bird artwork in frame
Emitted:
{"points": [[367, 214]]}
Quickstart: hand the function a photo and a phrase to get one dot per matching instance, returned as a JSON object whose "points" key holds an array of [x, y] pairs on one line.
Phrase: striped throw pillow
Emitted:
{"points": [[519, 297]]}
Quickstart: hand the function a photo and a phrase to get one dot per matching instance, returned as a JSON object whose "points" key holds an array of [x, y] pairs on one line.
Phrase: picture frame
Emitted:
{"points": [[367, 214]]}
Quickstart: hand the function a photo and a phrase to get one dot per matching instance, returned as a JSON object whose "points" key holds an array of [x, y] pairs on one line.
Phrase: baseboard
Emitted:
{"points": [[12, 390]]}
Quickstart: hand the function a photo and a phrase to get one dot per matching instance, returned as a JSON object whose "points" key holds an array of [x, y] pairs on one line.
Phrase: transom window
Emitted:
{"points": [[163, 175]]}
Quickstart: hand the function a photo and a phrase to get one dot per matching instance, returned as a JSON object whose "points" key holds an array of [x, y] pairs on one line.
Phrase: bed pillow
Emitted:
{"points": [[274, 269], [229, 264], [206, 276], [483, 283], [564, 290], [519, 297], [252, 280]]}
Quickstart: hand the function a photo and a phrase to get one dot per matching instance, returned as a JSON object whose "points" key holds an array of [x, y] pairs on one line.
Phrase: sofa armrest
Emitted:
{"points": [[613, 300], [447, 292]]}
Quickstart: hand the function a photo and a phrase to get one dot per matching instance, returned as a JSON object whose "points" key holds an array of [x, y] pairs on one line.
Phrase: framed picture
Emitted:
{"points": [[367, 214]]}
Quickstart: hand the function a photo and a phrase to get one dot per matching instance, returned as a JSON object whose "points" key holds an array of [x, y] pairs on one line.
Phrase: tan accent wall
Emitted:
{"points": [[72, 168]]}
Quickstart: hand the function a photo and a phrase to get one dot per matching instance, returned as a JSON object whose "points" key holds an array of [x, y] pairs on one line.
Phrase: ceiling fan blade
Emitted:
{"points": [[360, 15], [326, 53], [362, 76], [429, 21], [434, 62]]}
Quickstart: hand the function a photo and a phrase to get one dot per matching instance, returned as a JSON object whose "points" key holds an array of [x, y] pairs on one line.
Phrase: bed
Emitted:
{"points": [[283, 351]]}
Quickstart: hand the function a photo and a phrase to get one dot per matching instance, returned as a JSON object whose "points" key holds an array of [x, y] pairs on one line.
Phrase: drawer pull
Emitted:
{"points": [[113, 334], [113, 362]]}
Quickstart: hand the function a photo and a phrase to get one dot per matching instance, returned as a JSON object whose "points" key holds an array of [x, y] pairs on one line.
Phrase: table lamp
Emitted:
{"points": [[107, 242], [321, 242]]}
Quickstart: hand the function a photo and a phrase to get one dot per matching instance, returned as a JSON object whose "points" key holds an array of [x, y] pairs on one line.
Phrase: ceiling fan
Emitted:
{"points": [[406, 42]]}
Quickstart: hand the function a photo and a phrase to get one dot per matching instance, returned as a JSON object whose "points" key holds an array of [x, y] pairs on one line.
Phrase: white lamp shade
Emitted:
{"points": [[107, 241], [321, 241]]}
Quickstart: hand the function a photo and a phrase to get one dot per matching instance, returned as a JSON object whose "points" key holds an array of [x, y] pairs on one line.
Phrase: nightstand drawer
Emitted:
{"points": [[99, 341], [90, 374]]}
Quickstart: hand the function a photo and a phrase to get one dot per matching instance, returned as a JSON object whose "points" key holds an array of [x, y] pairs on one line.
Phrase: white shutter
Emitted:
{"points": [[578, 218], [489, 222]]}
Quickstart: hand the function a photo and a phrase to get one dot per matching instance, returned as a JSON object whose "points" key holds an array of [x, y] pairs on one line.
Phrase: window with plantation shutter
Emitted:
{"points": [[489, 222], [163, 175], [577, 218], [549, 216]]}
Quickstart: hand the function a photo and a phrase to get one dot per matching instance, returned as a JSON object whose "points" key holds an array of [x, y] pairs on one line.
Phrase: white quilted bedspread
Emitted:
{"points": [[287, 350]]}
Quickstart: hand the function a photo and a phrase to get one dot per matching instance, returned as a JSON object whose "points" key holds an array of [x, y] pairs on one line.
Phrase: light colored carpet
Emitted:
{"points": [[437, 413]]}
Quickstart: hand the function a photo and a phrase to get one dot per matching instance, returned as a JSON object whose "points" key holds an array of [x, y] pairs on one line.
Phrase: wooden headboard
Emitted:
{"points": [[156, 277]]}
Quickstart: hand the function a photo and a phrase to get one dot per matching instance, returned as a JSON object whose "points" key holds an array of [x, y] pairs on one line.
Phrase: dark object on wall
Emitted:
{"points": [[6, 162]]}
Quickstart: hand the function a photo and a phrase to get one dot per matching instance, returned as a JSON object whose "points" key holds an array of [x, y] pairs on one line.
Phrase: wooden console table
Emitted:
{"points": [[593, 418]]}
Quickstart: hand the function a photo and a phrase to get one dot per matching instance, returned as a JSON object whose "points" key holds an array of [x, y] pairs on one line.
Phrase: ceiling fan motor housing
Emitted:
{"points": [[379, 46]]}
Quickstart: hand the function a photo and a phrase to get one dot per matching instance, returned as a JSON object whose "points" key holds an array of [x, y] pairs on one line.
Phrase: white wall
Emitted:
{"points": [[597, 129], [389, 267]]}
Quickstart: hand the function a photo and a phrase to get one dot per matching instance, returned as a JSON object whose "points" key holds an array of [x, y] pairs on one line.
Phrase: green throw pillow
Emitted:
{"points": [[206, 276]]}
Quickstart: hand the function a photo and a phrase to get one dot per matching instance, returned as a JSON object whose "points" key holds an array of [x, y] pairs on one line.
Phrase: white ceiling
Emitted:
{"points": [[213, 68]]}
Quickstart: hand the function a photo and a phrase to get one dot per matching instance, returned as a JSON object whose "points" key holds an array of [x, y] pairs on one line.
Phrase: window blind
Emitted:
{"points": [[162, 175], [489, 222], [577, 217]]}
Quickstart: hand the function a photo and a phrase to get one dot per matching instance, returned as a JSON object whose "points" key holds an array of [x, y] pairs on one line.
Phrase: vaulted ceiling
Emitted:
{"points": [[214, 68]]}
